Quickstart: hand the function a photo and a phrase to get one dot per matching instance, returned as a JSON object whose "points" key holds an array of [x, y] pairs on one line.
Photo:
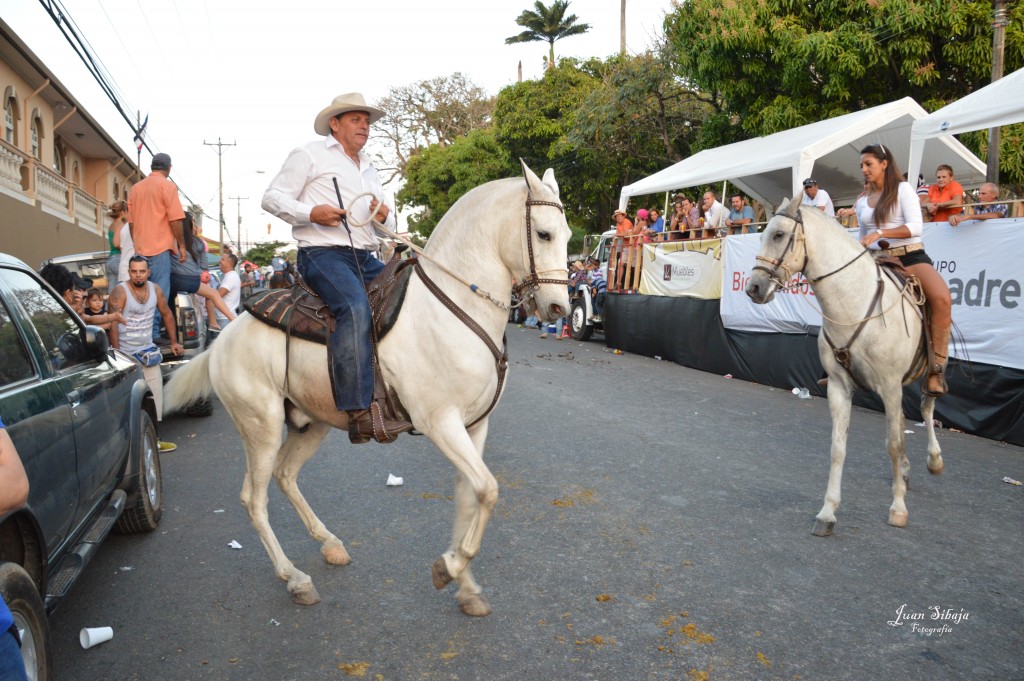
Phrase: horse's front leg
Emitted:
{"points": [[892, 398], [839, 403], [476, 493]]}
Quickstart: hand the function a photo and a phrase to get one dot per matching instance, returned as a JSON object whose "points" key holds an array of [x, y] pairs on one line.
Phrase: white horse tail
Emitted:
{"points": [[188, 384]]}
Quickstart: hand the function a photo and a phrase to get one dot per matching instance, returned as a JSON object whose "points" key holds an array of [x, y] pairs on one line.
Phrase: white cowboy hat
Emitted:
{"points": [[350, 101]]}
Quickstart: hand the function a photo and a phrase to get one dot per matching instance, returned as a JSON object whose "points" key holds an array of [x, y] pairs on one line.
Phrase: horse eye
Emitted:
{"points": [[777, 235], [544, 236]]}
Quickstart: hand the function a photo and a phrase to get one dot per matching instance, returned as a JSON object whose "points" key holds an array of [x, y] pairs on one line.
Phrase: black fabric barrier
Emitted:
{"points": [[984, 400]]}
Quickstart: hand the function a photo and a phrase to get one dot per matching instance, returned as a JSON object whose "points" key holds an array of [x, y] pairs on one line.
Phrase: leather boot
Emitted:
{"points": [[370, 424], [935, 380]]}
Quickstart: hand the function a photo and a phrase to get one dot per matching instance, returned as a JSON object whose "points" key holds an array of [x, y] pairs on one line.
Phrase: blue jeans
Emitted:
{"points": [[11, 666], [331, 272], [160, 274]]}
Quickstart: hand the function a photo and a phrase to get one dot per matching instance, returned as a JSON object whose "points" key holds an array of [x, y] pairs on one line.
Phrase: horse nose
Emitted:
{"points": [[754, 291]]}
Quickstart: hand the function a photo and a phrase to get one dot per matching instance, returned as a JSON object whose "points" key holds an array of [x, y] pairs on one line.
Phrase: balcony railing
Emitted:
{"points": [[11, 160], [86, 210], [51, 189]]}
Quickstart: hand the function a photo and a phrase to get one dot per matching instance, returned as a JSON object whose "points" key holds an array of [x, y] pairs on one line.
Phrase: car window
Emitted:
{"points": [[15, 362], [57, 328]]}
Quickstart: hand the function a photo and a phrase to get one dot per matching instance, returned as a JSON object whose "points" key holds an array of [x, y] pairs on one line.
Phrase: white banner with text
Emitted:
{"points": [[980, 260], [683, 268]]}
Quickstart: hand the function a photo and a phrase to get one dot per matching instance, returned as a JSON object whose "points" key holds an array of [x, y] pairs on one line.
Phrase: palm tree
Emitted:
{"points": [[547, 23]]}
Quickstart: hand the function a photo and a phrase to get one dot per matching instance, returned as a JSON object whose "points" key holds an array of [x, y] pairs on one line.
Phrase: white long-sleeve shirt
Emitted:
{"points": [[907, 211], [306, 181]]}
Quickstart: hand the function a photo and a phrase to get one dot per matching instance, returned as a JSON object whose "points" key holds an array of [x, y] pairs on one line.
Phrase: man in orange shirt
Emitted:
{"points": [[157, 217], [945, 197], [623, 230]]}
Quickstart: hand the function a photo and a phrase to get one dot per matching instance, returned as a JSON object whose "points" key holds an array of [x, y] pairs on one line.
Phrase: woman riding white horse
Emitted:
{"points": [[443, 373], [870, 338]]}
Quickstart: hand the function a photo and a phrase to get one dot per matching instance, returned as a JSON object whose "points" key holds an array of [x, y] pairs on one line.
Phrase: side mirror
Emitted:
{"points": [[97, 345]]}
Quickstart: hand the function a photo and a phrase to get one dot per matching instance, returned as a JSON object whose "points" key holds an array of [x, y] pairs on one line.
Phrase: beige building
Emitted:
{"points": [[59, 170]]}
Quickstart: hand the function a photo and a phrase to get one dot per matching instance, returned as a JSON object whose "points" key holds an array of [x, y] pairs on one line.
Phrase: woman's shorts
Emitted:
{"points": [[915, 258], [189, 283]]}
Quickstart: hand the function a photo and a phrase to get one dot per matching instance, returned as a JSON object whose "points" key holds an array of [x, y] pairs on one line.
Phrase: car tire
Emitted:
{"points": [[201, 407], [578, 326], [21, 596], [144, 514]]}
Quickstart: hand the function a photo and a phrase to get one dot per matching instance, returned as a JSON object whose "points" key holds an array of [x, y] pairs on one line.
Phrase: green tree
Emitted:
{"points": [[439, 175], [532, 120], [262, 253], [547, 23], [777, 64]]}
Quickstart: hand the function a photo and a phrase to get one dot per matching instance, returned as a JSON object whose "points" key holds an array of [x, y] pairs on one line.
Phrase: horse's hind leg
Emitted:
{"points": [[262, 438], [935, 464], [476, 493], [892, 397], [839, 404], [298, 448]]}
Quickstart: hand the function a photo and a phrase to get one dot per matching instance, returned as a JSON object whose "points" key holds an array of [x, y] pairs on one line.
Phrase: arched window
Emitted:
{"points": [[37, 133], [10, 119], [117, 189], [58, 158]]}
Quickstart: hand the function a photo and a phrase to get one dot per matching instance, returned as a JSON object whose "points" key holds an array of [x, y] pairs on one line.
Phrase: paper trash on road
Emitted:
{"points": [[235, 545], [394, 481], [1012, 481]]}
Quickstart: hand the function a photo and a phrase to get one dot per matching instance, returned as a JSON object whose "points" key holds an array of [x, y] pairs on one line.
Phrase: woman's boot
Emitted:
{"points": [[935, 381]]}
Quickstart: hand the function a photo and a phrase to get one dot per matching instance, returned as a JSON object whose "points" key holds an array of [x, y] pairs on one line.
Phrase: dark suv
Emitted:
{"points": [[83, 421]]}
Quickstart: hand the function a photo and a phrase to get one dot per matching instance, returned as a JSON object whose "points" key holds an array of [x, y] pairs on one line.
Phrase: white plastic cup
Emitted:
{"points": [[94, 636]]}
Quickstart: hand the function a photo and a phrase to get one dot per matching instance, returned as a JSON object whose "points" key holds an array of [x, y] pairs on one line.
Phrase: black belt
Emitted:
{"points": [[13, 630], [340, 248]]}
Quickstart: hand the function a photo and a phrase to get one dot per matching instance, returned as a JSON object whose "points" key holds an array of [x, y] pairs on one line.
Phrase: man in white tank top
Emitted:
{"points": [[138, 300]]}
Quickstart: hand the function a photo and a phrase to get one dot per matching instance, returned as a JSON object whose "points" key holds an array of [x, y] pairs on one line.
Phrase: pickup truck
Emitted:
{"points": [[84, 423]]}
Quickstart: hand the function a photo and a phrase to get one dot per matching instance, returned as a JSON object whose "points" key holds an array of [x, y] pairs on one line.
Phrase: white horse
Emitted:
{"points": [[870, 337], [443, 373]]}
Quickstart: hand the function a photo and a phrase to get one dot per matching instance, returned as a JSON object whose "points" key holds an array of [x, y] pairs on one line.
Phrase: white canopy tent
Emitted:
{"points": [[997, 104], [773, 167]]}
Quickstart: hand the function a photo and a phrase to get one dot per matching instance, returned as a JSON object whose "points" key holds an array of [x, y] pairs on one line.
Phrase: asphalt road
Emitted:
{"points": [[654, 523]]}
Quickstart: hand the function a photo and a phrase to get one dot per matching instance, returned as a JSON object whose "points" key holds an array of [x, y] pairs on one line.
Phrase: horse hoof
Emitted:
{"points": [[306, 596], [898, 518], [440, 575], [823, 528], [937, 468], [336, 555], [475, 606]]}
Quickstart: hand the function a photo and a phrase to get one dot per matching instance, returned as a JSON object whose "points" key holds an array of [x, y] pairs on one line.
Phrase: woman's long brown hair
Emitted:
{"points": [[890, 183]]}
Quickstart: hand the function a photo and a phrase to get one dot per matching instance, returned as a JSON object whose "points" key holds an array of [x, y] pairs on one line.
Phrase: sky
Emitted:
{"points": [[256, 73]]}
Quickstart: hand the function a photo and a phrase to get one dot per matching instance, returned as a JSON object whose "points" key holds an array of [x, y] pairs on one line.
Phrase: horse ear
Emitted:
{"points": [[794, 205], [549, 180], [533, 183]]}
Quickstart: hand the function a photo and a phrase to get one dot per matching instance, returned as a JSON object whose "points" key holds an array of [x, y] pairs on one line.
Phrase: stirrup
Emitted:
{"points": [[937, 369]]}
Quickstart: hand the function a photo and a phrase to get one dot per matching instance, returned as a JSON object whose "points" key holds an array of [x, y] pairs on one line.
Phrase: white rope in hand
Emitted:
{"points": [[376, 224]]}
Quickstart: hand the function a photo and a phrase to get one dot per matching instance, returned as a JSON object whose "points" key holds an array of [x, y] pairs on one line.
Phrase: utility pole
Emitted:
{"points": [[220, 183], [622, 30], [238, 232], [999, 22]]}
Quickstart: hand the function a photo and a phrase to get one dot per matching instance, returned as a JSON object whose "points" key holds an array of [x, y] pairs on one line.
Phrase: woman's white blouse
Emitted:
{"points": [[907, 211]]}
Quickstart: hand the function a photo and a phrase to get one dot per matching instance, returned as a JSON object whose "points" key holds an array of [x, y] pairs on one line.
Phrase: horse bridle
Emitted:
{"points": [[773, 273], [777, 264], [531, 282]]}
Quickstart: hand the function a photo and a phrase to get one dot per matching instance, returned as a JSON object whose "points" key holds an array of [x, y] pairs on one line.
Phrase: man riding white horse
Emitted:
{"points": [[335, 260]]}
